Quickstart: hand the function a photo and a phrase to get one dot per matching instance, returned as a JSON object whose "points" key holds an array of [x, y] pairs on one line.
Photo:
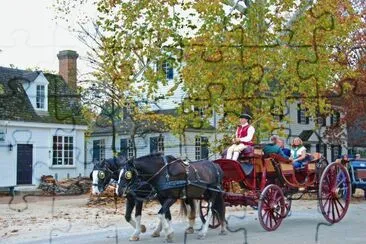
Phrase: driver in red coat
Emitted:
{"points": [[243, 137]]}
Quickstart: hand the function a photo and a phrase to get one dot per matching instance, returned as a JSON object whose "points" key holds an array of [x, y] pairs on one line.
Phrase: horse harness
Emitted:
{"points": [[174, 184], [198, 182]]}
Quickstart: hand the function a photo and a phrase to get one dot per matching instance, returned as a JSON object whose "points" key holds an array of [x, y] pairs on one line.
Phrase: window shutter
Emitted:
{"points": [[153, 144], [96, 150], [307, 120], [332, 153], [325, 150], [318, 148], [204, 148], [298, 113], [124, 113], [123, 147]]}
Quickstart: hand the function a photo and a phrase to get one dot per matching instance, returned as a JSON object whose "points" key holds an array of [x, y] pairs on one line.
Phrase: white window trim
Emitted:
{"points": [[197, 148], [41, 80], [63, 165], [161, 145], [302, 117], [101, 149], [130, 151]]}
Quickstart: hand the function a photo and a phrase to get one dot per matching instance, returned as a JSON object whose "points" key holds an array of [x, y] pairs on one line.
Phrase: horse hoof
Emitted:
{"points": [[223, 233], [170, 237], [155, 234], [201, 237], [189, 230], [143, 228], [134, 238]]}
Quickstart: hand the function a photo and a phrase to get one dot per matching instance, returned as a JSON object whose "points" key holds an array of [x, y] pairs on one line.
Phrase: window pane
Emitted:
{"points": [[40, 96]]}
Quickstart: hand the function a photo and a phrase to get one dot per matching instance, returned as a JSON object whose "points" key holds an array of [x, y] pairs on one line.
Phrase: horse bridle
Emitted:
{"points": [[104, 177], [137, 180]]}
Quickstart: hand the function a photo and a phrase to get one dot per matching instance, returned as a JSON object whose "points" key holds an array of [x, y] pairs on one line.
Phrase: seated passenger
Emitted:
{"points": [[281, 144], [243, 138], [273, 148], [298, 153]]}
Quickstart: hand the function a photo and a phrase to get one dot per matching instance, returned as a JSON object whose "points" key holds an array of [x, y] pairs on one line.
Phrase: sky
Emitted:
{"points": [[30, 37]]}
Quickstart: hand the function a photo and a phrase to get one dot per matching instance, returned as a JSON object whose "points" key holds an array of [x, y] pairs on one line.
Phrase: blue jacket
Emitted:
{"points": [[286, 151], [273, 148]]}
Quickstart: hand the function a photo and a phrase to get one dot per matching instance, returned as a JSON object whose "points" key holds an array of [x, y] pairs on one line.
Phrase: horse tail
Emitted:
{"points": [[219, 206]]}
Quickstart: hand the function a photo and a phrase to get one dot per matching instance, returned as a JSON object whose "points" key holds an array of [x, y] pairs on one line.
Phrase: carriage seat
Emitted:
{"points": [[247, 153], [279, 158]]}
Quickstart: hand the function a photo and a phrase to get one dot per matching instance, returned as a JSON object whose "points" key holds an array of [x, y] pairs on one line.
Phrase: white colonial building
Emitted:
{"points": [[197, 142], [41, 129]]}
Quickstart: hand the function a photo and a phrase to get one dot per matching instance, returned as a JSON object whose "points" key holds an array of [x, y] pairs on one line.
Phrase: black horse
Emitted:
{"points": [[102, 175], [173, 179]]}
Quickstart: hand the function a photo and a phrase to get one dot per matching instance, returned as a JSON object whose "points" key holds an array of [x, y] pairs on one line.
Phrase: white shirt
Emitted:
{"points": [[298, 152]]}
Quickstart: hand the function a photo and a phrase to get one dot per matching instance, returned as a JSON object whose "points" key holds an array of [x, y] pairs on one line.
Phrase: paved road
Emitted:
{"points": [[300, 227]]}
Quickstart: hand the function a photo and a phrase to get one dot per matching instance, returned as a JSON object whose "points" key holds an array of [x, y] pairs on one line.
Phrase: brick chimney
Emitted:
{"points": [[67, 66]]}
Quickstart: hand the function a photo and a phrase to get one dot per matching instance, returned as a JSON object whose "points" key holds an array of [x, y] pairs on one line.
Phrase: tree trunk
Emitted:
{"points": [[113, 129]]}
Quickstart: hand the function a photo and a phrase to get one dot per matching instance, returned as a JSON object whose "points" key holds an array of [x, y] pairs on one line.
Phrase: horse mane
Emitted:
{"points": [[155, 155], [152, 155], [115, 163]]}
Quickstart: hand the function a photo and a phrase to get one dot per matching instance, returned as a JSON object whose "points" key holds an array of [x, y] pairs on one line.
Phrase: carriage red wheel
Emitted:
{"points": [[334, 192], [215, 221], [272, 208], [288, 203]]}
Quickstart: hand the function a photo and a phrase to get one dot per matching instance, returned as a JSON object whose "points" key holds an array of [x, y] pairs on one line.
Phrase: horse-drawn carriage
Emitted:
{"points": [[270, 183], [267, 183]]}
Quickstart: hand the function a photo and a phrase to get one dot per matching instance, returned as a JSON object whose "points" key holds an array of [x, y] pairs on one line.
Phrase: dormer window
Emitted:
{"points": [[40, 97]]}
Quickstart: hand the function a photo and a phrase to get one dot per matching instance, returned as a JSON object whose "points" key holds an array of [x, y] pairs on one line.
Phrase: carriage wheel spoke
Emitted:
{"points": [[274, 219], [326, 197], [340, 204], [266, 201], [336, 207], [278, 215], [270, 220], [327, 180], [265, 218], [329, 200], [342, 181], [278, 199], [333, 214]]}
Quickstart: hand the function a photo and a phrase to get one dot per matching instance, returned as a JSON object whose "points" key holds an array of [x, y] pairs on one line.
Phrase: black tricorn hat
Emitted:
{"points": [[245, 116]]}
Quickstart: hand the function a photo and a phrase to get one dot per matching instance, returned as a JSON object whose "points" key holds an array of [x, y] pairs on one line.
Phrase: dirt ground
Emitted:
{"points": [[41, 215], [44, 216]]}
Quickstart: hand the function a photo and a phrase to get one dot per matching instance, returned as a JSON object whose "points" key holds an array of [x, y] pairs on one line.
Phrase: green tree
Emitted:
{"points": [[232, 56]]}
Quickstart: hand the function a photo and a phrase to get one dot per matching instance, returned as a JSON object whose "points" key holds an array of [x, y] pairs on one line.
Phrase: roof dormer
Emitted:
{"points": [[37, 92]]}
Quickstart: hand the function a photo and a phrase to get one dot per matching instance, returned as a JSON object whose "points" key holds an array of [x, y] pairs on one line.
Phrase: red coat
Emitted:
{"points": [[242, 131]]}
